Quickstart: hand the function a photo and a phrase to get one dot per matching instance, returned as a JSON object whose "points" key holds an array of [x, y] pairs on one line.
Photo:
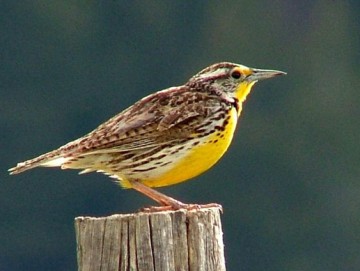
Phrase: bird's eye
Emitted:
{"points": [[235, 74]]}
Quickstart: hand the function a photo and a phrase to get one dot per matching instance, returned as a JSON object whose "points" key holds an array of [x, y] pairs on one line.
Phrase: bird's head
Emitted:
{"points": [[233, 80]]}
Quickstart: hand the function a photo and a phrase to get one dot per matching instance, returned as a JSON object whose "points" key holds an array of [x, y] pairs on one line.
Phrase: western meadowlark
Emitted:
{"points": [[165, 138]]}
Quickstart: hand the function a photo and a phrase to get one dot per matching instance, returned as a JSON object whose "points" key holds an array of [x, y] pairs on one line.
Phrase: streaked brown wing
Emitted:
{"points": [[147, 123]]}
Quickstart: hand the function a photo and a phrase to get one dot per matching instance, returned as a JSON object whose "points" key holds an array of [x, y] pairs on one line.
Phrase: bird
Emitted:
{"points": [[165, 138]]}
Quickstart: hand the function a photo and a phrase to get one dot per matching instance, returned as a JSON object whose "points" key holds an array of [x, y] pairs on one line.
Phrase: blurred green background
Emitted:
{"points": [[289, 184]]}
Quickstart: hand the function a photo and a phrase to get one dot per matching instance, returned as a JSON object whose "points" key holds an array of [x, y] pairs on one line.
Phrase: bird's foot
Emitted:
{"points": [[180, 206]]}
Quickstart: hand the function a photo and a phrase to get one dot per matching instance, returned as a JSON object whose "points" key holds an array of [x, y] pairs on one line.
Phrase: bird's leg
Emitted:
{"points": [[167, 203]]}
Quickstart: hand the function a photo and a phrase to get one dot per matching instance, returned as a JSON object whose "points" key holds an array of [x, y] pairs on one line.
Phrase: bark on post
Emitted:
{"points": [[170, 240]]}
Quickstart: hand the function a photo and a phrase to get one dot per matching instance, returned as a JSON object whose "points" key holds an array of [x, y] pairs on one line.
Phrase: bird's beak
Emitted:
{"points": [[257, 74]]}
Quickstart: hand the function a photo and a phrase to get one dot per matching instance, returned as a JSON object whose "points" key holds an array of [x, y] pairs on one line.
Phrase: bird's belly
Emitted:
{"points": [[194, 158]]}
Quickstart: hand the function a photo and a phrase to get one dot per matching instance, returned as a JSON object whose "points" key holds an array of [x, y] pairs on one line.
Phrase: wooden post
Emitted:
{"points": [[168, 241]]}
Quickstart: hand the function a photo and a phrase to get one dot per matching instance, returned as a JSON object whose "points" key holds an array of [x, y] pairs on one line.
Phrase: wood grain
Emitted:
{"points": [[180, 240]]}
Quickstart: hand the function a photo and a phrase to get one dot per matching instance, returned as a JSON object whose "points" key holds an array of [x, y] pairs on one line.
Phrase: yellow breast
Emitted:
{"points": [[198, 157]]}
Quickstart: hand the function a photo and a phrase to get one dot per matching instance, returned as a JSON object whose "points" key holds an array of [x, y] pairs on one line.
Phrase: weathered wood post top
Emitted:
{"points": [[183, 240]]}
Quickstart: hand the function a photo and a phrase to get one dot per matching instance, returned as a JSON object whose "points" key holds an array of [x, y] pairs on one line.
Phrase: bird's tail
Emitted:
{"points": [[50, 159]]}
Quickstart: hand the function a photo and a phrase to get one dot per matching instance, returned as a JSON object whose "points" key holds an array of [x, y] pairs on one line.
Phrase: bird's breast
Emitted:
{"points": [[196, 155]]}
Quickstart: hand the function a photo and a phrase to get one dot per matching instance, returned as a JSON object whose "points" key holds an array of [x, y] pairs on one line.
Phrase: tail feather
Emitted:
{"points": [[50, 159]]}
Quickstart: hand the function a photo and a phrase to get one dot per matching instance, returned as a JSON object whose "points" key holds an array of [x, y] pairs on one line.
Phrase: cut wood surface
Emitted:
{"points": [[183, 240]]}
